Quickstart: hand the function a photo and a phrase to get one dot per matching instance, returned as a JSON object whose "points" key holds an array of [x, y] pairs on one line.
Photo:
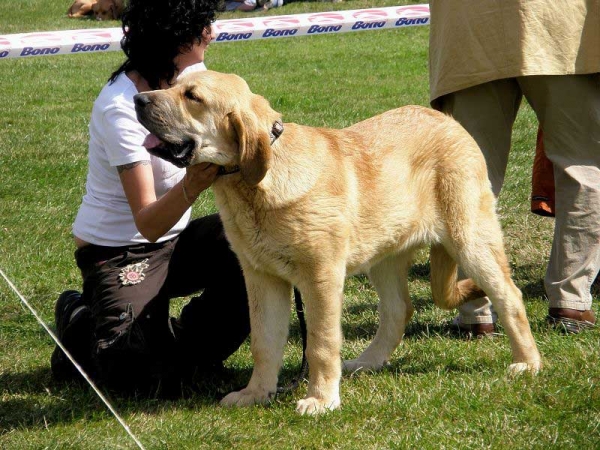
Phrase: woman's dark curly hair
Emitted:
{"points": [[154, 32]]}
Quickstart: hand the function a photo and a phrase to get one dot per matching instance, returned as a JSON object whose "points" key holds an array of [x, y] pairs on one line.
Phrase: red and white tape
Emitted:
{"points": [[69, 42]]}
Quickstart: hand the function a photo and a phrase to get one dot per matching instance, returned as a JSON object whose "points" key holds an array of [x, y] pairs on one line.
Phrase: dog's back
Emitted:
{"points": [[410, 165]]}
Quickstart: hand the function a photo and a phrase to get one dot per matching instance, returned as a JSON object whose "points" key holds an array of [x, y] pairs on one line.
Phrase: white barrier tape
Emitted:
{"points": [[267, 27]]}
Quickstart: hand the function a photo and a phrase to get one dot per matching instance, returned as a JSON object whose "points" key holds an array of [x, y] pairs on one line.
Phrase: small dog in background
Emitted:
{"points": [[81, 8], [108, 9]]}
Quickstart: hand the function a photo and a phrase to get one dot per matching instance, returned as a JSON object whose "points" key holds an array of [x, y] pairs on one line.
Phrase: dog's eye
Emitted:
{"points": [[189, 94]]}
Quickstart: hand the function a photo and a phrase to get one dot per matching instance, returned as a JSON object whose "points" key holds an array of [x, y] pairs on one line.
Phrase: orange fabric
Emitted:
{"points": [[542, 181]]}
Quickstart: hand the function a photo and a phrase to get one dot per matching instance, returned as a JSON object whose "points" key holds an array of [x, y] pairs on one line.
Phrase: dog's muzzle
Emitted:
{"points": [[178, 153]]}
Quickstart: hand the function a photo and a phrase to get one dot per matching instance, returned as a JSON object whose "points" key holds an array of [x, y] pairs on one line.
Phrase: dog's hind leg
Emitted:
{"points": [[472, 236], [483, 259], [323, 294], [270, 301], [389, 277]]}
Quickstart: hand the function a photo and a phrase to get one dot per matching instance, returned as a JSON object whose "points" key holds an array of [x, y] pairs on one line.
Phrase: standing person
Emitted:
{"points": [[136, 246], [484, 57]]}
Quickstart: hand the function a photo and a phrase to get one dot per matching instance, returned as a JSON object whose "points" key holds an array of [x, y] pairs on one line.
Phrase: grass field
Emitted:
{"points": [[440, 391]]}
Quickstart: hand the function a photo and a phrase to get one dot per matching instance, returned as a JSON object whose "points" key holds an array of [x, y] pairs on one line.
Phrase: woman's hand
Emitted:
{"points": [[154, 217], [198, 178]]}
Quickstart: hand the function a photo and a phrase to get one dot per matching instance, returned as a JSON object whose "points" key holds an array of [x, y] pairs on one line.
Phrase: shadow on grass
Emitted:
{"points": [[33, 400], [414, 331], [367, 311], [533, 289]]}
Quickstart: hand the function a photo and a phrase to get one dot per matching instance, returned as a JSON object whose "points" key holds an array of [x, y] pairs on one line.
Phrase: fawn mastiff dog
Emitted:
{"points": [[81, 8], [108, 9], [306, 207]]}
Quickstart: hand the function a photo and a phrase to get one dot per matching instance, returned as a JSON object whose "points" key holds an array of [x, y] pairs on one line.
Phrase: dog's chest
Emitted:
{"points": [[256, 237]]}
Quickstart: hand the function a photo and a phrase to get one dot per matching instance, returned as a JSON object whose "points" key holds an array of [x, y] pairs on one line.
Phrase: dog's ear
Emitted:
{"points": [[254, 144]]}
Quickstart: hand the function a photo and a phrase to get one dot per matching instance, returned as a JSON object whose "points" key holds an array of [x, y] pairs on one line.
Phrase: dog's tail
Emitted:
{"points": [[446, 290]]}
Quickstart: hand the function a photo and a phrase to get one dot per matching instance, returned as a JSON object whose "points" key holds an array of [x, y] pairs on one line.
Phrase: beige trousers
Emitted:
{"points": [[568, 109]]}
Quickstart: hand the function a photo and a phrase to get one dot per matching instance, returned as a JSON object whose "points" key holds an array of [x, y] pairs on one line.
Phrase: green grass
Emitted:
{"points": [[438, 392]]}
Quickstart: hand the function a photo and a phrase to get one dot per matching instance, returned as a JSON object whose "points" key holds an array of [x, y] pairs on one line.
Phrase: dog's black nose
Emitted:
{"points": [[141, 100]]}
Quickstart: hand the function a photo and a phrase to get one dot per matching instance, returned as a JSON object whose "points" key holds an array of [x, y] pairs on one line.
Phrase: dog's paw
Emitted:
{"points": [[313, 406], [245, 397], [356, 365], [523, 367]]}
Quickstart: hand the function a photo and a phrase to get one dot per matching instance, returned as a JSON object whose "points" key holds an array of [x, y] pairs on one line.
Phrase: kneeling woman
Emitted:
{"points": [[136, 246]]}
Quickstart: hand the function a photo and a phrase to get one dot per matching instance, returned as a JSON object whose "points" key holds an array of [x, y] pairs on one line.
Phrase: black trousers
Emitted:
{"points": [[133, 340]]}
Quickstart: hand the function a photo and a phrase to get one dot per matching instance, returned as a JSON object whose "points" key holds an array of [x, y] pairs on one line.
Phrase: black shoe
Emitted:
{"points": [[74, 330]]}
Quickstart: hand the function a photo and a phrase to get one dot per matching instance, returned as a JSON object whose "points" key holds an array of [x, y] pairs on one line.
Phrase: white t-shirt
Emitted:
{"points": [[116, 138]]}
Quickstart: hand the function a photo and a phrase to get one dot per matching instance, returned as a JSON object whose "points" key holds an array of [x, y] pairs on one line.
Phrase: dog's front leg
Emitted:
{"points": [[323, 300], [270, 300]]}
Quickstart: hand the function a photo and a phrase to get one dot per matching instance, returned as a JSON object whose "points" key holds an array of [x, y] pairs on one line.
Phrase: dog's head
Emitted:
{"points": [[108, 9], [209, 117]]}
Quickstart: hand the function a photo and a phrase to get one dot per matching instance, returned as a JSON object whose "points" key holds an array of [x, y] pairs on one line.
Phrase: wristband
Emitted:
{"points": [[185, 194]]}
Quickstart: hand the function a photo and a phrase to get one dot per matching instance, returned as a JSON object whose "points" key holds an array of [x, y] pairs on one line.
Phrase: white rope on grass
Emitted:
{"points": [[79, 368]]}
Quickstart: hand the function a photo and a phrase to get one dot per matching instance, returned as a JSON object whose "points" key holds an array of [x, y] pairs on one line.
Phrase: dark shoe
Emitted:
{"points": [[479, 329], [571, 320], [74, 330], [476, 330]]}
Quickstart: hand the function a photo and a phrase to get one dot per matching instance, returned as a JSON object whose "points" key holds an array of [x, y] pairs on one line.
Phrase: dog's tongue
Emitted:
{"points": [[151, 141]]}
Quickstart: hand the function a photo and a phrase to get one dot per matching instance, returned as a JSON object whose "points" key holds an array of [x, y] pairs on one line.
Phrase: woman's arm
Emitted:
{"points": [[154, 217]]}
